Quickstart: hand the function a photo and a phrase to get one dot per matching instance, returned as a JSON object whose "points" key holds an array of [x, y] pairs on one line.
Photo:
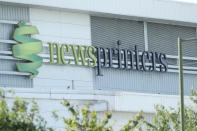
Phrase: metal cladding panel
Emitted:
{"points": [[106, 32], [6, 31], [163, 38], [143, 82], [15, 81], [14, 13], [11, 13], [7, 65]]}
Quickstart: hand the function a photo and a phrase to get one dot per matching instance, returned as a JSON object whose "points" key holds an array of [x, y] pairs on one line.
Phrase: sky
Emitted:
{"points": [[189, 1]]}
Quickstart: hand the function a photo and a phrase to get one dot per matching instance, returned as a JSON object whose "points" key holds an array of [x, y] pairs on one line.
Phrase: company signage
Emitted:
{"points": [[27, 49], [100, 57], [90, 56]]}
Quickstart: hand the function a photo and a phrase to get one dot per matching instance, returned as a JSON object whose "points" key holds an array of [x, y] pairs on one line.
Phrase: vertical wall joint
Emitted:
{"points": [[145, 36]]}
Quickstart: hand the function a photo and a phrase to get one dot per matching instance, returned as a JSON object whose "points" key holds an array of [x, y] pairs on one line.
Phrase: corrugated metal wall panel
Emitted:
{"points": [[15, 81], [7, 65], [15, 13], [6, 31], [143, 82], [12, 13], [106, 32], [163, 38]]}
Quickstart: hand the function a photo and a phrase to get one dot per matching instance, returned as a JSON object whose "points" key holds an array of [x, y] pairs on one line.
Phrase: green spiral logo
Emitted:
{"points": [[27, 49]]}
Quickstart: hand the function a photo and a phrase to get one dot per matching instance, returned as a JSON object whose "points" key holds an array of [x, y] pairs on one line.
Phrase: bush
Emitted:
{"points": [[169, 119], [22, 116], [84, 119], [25, 116]]}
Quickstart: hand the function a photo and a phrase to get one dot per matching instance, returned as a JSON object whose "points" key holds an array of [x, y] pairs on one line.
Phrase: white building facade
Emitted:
{"points": [[152, 25]]}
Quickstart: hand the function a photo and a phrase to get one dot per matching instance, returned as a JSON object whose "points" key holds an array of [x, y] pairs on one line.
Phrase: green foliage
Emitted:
{"points": [[84, 119], [169, 119], [134, 124], [22, 116]]}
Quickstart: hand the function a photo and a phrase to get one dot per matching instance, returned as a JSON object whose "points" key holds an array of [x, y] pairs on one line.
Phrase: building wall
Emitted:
{"points": [[143, 82], [163, 38], [62, 27], [106, 32], [159, 10], [153, 37], [71, 23], [54, 25], [124, 105], [11, 13]]}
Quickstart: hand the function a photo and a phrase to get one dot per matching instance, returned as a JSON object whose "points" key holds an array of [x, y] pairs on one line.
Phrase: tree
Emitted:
{"points": [[22, 116]]}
